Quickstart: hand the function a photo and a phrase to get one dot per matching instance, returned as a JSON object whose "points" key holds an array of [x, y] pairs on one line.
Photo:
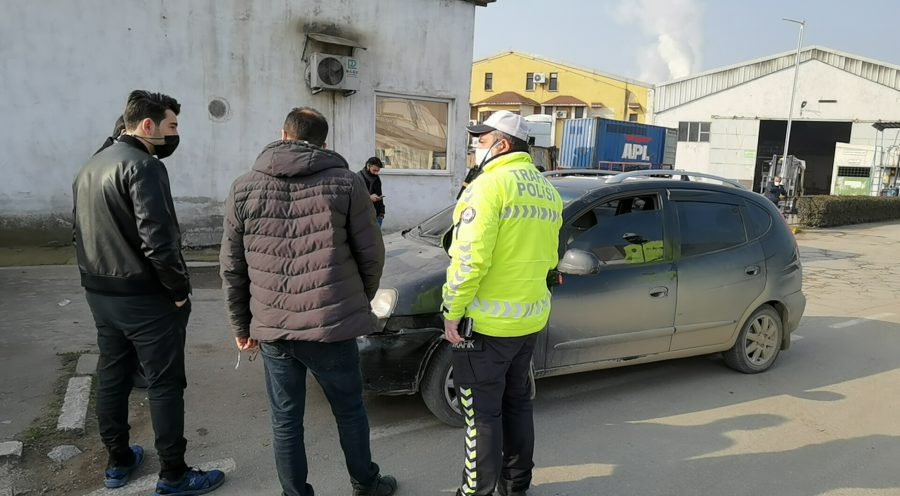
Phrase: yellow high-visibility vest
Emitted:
{"points": [[505, 241]]}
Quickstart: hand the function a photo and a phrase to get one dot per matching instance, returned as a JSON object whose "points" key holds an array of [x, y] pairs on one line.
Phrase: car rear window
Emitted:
{"points": [[709, 227], [757, 219]]}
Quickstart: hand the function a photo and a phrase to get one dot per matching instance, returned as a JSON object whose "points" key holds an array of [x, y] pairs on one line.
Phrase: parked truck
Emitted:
{"points": [[596, 143]]}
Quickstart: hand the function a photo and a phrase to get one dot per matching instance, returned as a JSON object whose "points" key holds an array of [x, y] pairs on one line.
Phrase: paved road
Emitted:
{"points": [[821, 422]]}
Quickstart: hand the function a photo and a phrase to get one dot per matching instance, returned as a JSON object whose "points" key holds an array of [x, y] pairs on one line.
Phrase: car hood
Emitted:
{"points": [[417, 271]]}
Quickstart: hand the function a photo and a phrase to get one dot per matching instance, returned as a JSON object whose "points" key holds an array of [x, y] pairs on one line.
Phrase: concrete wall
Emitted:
{"points": [[735, 114], [68, 67]]}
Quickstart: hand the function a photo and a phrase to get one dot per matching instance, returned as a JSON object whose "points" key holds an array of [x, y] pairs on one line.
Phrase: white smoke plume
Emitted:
{"points": [[676, 31]]}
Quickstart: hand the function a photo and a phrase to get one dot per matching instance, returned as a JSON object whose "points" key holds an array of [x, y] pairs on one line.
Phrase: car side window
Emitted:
{"points": [[757, 219], [622, 231], [708, 227]]}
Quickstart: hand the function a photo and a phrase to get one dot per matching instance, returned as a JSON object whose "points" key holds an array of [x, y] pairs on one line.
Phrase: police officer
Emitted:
{"points": [[504, 243]]}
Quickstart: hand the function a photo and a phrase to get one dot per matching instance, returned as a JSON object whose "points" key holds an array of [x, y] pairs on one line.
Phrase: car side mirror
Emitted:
{"points": [[579, 263]]}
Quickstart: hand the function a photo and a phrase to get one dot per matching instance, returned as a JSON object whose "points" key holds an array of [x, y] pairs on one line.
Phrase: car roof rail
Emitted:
{"points": [[580, 172], [671, 174]]}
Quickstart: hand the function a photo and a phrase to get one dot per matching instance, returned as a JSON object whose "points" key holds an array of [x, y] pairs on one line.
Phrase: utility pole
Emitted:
{"points": [[787, 136]]}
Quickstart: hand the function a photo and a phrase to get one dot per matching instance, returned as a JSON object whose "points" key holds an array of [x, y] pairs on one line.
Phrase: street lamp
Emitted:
{"points": [[787, 136]]}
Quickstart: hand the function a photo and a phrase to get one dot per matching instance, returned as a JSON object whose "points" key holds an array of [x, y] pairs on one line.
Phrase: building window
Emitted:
{"points": [[854, 171], [553, 85], [411, 133], [529, 81], [488, 81], [695, 132], [483, 116], [548, 110], [579, 112], [632, 117]]}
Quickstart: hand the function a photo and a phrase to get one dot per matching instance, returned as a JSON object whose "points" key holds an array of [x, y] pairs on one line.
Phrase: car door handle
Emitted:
{"points": [[752, 270], [660, 292]]}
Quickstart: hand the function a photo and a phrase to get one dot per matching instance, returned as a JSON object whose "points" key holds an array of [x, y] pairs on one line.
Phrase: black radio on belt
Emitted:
{"points": [[465, 328]]}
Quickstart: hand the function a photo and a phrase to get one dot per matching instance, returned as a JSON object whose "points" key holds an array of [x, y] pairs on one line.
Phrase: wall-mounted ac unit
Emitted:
{"points": [[562, 114], [540, 78], [332, 72]]}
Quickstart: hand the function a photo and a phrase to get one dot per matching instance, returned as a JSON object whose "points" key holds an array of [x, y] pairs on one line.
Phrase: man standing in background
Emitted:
{"points": [[370, 175]]}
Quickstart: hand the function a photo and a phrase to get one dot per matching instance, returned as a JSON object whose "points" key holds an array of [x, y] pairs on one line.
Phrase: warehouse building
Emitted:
{"points": [[732, 120]]}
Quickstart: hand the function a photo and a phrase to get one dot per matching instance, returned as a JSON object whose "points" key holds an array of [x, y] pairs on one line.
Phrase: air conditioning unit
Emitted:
{"points": [[472, 122], [540, 78], [562, 114], [332, 72]]}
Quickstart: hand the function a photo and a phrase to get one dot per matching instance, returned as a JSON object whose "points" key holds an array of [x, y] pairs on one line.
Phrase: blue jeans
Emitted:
{"points": [[336, 367]]}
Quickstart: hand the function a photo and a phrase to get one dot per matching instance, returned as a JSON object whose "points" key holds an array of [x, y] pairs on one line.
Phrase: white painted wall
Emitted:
{"points": [[68, 67], [735, 114]]}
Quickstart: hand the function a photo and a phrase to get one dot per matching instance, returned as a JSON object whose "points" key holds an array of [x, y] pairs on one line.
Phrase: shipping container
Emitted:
{"points": [[595, 143]]}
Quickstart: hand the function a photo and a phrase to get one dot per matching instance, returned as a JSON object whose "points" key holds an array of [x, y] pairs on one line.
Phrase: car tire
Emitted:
{"points": [[758, 343], [438, 391]]}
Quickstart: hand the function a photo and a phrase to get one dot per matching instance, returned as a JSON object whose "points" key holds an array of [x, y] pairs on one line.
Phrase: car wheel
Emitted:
{"points": [[438, 389], [758, 344]]}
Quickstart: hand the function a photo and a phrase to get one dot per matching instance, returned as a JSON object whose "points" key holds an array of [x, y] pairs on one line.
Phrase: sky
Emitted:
{"points": [[659, 40]]}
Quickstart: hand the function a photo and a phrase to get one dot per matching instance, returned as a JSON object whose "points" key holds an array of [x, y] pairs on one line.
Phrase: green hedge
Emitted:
{"points": [[828, 211]]}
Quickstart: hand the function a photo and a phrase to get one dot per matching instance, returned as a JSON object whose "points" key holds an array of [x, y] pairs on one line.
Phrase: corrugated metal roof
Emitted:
{"points": [[678, 92]]}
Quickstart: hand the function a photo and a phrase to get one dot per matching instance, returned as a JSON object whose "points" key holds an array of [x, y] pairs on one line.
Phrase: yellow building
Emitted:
{"points": [[526, 85]]}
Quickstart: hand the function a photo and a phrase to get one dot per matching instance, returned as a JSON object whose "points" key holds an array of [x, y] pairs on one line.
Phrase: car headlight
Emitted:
{"points": [[384, 303]]}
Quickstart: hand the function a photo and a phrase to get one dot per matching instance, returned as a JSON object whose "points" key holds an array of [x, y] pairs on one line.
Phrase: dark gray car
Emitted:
{"points": [[653, 268]]}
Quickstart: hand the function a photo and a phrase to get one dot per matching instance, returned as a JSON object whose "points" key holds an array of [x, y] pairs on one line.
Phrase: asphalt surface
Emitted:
{"points": [[822, 421]]}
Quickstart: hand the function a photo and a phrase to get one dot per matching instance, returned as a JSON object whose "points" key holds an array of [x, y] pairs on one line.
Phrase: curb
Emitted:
{"points": [[75, 406], [10, 450], [78, 395]]}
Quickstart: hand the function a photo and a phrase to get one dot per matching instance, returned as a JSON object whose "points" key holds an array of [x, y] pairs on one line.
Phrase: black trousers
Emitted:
{"points": [[491, 378], [145, 330]]}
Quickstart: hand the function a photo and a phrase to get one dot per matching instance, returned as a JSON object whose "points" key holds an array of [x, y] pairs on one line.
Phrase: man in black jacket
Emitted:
{"points": [[128, 246], [775, 192], [373, 183]]}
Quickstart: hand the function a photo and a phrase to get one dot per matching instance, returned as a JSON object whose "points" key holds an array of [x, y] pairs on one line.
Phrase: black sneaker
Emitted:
{"points": [[384, 485]]}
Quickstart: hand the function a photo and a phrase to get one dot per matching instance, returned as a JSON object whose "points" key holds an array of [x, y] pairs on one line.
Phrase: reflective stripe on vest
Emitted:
{"points": [[507, 309]]}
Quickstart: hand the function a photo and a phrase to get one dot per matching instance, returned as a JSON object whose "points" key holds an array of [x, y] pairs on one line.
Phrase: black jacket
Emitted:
{"points": [[127, 238], [774, 193], [373, 183]]}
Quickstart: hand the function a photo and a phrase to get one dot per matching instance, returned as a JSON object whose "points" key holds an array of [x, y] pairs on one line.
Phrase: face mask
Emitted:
{"points": [[481, 154], [167, 148]]}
